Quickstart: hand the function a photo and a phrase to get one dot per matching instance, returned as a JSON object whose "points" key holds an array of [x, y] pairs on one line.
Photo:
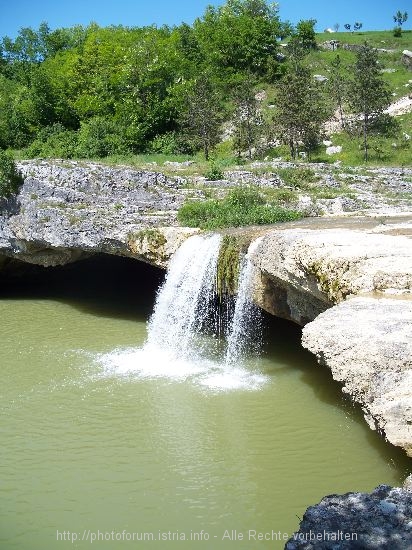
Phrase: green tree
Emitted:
{"points": [[240, 35], [305, 34], [247, 118], [301, 110], [400, 18], [368, 93], [201, 117], [337, 85], [10, 177]]}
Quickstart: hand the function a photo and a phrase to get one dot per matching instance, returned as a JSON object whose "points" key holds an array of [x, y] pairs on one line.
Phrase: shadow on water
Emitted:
{"points": [[105, 286], [283, 341]]}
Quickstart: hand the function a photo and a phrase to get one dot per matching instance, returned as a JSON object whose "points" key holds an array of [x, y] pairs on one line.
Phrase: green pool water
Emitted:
{"points": [[91, 447]]}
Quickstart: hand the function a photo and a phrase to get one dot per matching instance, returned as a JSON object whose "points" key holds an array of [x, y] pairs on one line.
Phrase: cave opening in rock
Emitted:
{"points": [[102, 284]]}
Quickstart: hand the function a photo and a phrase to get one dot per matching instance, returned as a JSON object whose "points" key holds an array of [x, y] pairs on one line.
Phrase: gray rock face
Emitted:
{"points": [[352, 289], [367, 344], [67, 210], [407, 58], [368, 521], [310, 270]]}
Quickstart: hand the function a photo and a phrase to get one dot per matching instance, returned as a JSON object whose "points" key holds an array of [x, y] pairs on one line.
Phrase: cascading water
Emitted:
{"points": [[185, 305], [184, 300], [244, 330]]}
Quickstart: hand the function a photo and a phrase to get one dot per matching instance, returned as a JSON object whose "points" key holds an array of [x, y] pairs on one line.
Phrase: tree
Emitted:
{"points": [[247, 118], [347, 26], [238, 36], [337, 85], [305, 34], [357, 26], [336, 27], [368, 93], [201, 118], [400, 18], [300, 110]]}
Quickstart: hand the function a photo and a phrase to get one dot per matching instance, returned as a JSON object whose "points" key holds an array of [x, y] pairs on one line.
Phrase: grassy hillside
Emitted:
{"points": [[377, 39]]}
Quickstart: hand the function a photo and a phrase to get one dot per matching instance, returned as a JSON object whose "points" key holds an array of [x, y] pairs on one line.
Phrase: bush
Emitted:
{"points": [[214, 173], [164, 143], [242, 206], [299, 177], [10, 178], [54, 142], [397, 32], [101, 137]]}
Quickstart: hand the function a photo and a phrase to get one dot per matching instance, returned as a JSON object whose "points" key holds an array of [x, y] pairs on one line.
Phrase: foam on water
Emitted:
{"points": [[175, 348], [147, 363]]}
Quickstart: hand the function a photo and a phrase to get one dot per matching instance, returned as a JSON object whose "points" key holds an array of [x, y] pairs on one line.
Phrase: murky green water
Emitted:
{"points": [[89, 450]]}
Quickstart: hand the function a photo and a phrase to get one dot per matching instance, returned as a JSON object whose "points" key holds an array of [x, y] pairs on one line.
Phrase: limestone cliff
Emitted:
{"points": [[67, 211], [352, 289]]}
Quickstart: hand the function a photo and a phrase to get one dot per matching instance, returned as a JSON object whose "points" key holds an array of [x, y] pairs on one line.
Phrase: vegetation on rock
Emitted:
{"points": [[10, 177], [241, 206], [228, 265]]}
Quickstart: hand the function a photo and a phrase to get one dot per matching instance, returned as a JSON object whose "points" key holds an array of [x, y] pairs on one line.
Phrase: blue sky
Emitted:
{"points": [[14, 14]]}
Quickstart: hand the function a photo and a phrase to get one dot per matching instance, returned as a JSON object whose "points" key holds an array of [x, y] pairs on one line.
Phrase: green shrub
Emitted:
{"points": [[100, 137], [242, 206], [10, 178], [300, 177], [53, 142], [397, 32], [164, 143], [214, 173]]}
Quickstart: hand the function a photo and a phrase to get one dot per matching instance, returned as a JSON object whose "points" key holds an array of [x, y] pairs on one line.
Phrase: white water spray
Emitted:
{"points": [[185, 304], [244, 330], [183, 301]]}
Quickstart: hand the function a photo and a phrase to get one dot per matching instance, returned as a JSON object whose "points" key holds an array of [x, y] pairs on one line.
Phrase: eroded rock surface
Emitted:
{"points": [[367, 345], [305, 271], [368, 521], [69, 210]]}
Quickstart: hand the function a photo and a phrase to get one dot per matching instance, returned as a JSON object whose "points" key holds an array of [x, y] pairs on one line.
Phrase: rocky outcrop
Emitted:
{"points": [[306, 271], [369, 521], [68, 210], [367, 345], [407, 58], [352, 289]]}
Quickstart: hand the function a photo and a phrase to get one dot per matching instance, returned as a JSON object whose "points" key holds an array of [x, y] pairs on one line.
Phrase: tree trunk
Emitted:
{"points": [[292, 149], [365, 137], [342, 120]]}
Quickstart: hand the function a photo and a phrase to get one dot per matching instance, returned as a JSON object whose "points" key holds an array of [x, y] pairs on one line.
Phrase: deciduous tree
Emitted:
{"points": [[301, 110], [247, 118], [201, 117], [368, 93]]}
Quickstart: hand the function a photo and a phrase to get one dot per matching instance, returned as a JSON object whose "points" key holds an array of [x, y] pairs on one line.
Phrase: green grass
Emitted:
{"points": [[319, 62], [377, 39], [382, 151], [241, 207]]}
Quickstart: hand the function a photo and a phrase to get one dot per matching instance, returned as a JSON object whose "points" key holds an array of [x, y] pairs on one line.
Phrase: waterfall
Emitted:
{"points": [[185, 298], [185, 306], [244, 330]]}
